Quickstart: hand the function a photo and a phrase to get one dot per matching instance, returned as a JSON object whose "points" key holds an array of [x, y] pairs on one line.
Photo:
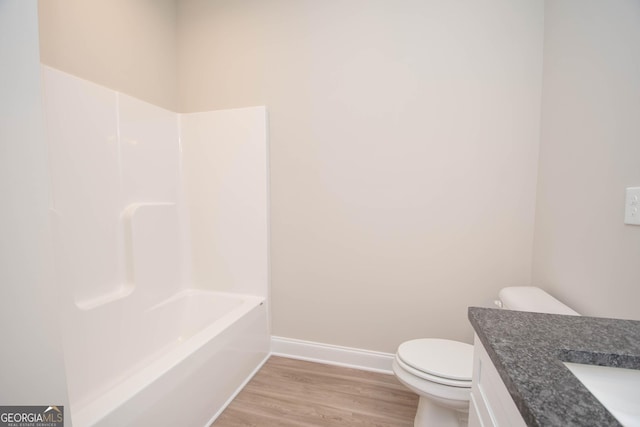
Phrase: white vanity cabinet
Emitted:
{"points": [[490, 403]]}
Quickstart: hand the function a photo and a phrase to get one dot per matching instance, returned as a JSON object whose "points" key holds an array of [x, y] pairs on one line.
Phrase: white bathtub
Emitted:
{"points": [[176, 364]]}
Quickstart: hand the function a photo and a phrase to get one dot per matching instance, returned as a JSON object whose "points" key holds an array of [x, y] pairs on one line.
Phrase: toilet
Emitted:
{"points": [[439, 371]]}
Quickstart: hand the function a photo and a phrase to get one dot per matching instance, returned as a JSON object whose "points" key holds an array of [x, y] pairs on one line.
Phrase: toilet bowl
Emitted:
{"points": [[439, 371]]}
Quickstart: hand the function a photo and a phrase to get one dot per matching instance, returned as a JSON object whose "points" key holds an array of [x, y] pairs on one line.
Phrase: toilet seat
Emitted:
{"points": [[441, 361]]}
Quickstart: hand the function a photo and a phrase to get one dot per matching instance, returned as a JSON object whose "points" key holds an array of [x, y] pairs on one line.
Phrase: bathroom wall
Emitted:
{"points": [[31, 365], [403, 144], [590, 151], [128, 46]]}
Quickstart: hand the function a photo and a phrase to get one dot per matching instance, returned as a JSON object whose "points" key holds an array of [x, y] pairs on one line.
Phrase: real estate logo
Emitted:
{"points": [[31, 416]]}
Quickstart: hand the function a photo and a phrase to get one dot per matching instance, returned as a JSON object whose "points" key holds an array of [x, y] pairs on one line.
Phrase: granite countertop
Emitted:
{"points": [[528, 350]]}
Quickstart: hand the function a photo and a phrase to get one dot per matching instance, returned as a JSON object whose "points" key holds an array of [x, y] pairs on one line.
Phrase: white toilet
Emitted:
{"points": [[439, 371]]}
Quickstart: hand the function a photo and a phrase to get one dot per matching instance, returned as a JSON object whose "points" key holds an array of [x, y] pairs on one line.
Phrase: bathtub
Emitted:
{"points": [[177, 363]]}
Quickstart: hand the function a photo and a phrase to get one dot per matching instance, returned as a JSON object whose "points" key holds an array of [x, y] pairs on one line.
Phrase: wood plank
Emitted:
{"points": [[288, 392]]}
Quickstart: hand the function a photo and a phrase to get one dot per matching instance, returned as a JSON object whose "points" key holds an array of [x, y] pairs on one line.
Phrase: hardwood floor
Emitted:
{"points": [[287, 392]]}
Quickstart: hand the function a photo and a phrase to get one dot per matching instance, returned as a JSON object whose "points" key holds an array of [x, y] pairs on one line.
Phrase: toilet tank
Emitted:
{"points": [[530, 298]]}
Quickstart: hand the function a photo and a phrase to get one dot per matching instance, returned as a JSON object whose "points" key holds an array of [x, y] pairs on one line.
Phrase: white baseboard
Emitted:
{"points": [[332, 354]]}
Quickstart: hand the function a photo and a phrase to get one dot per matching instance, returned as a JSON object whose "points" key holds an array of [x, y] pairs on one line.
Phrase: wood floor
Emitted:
{"points": [[287, 392]]}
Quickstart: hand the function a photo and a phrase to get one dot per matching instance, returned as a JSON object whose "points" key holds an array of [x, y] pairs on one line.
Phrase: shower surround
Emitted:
{"points": [[161, 240]]}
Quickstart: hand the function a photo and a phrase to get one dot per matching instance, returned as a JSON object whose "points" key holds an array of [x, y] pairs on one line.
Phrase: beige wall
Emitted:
{"points": [[590, 151], [404, 139], [404, 142], [126, 45], [31, 364]]}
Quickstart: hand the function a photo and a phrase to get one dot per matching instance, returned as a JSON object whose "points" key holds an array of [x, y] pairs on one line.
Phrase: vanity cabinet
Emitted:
{"points": [[490, 403]]}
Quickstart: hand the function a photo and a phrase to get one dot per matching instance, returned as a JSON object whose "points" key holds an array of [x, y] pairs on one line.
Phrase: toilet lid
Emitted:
{"points": [[442, 358]]}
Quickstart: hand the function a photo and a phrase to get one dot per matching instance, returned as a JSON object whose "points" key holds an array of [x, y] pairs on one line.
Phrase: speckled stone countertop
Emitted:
{"points": [[528, 350]]}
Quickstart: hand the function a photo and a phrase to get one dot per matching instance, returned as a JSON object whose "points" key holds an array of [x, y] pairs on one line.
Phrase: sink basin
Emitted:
{"points": [[616, 388]]}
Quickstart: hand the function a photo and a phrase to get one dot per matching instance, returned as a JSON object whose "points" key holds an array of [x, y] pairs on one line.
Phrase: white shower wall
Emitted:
{"points": [[224, 162], [129, 178], [114, 161]]}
